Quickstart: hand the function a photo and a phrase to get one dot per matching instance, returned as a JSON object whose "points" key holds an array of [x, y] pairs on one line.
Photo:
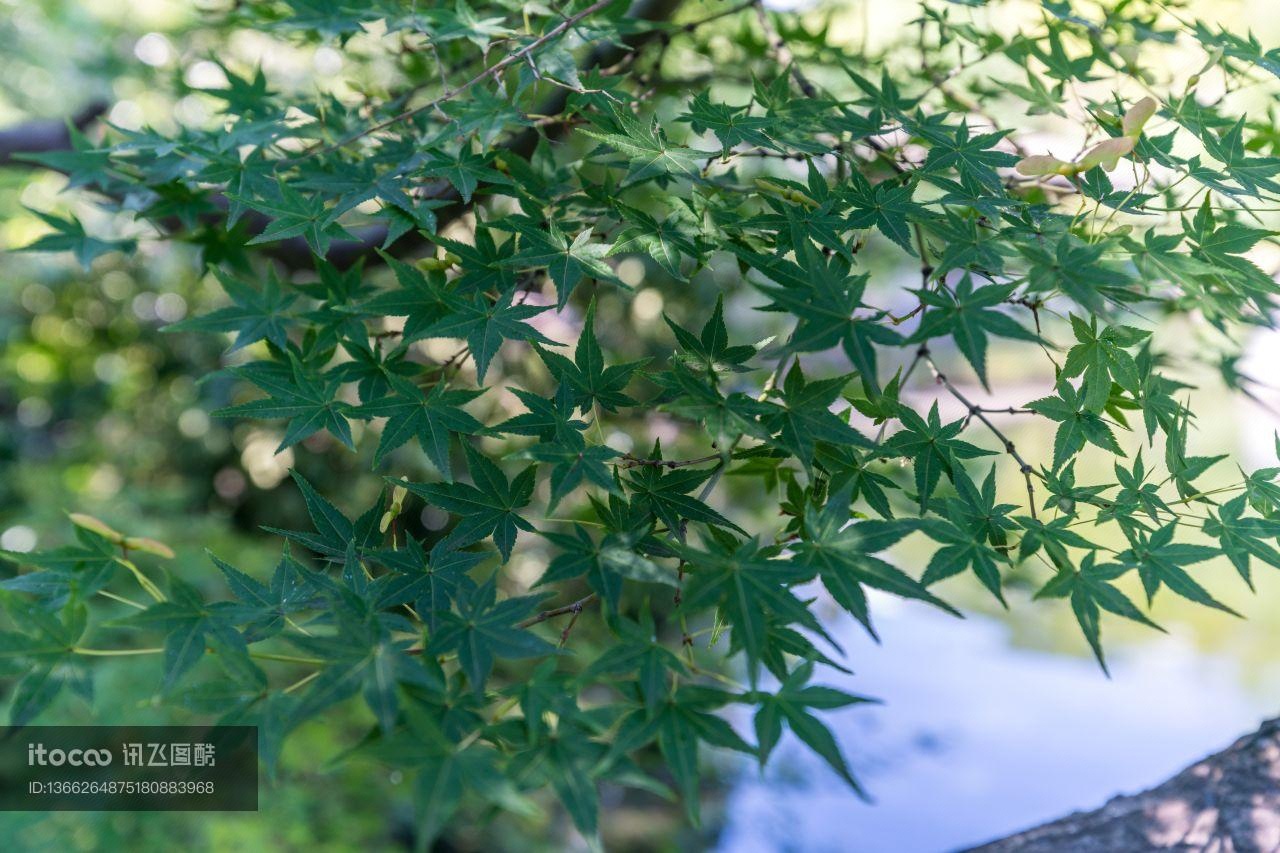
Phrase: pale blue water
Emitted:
{"points": [[978, 739]]}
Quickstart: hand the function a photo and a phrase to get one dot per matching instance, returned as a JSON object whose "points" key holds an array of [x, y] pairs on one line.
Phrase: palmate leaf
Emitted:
{"points": [[933, 448], [802, 416], [190, 626], [568, 261], [334, 533], [646, 148], [604, 564], [842, 555], [1162, 562], [731, 125], [792, 703], [1090, 591], [822, 294], [431, 417], [484, 629], [687, 718], [969, 315], [296, 393], [665, 493], [591, 381], [267, 607], [747, 585], [69, 236], [485, 324], [294, 215], [1077, 425], [710, 350], [887, 207], [1102, 358], [488, 508], [253, 315], [1242, 537]]}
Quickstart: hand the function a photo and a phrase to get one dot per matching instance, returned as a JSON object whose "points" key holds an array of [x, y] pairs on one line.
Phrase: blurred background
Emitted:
{"points": [[989, 724]]}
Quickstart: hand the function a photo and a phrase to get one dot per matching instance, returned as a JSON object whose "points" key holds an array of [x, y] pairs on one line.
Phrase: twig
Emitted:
{"points": [[783, 53], [978, 412], [630, 461], [574, 608]]}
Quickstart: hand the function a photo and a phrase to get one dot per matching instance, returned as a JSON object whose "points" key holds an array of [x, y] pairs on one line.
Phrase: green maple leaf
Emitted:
{"points": [[483, 266], [967, 528], [709, 350], [488, 508], [464, 170], [421, 298], [1075, 269], [85, 164], [191, 625], [841, 555], [1101, 358], [666, 242], [646, 148], [932, 447], [1241, 538], [732, 125], [1090, 591], [686, 718], [604, 564], [967, 154], [590, 380], [792, 701], [69, 236], [294, 215], [485, 324], [886, 206], [1161, 562], [550, 420], [824, 297], [747, 587], [1054, 537], [1077, 425], [294, 392], [802, 416], [567, 261], [484, 629], [573, 466], [254, 315], [334, 532], [430, 417], [267, 607], [665, 492], [69, 573], [969, 316]]}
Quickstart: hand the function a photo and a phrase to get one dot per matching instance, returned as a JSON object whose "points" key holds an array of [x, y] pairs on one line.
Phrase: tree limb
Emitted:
{"points": [[1229, 801], [41, 135]]}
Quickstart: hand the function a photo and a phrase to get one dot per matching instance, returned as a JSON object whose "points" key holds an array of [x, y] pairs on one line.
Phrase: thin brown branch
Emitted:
{"points": [[630, 461], [981, 414], [783, 53], [575, 608]]}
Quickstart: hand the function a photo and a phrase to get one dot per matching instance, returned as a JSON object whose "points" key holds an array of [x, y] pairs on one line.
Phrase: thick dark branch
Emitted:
{"points": [[37, 137], [1230, 801]]}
